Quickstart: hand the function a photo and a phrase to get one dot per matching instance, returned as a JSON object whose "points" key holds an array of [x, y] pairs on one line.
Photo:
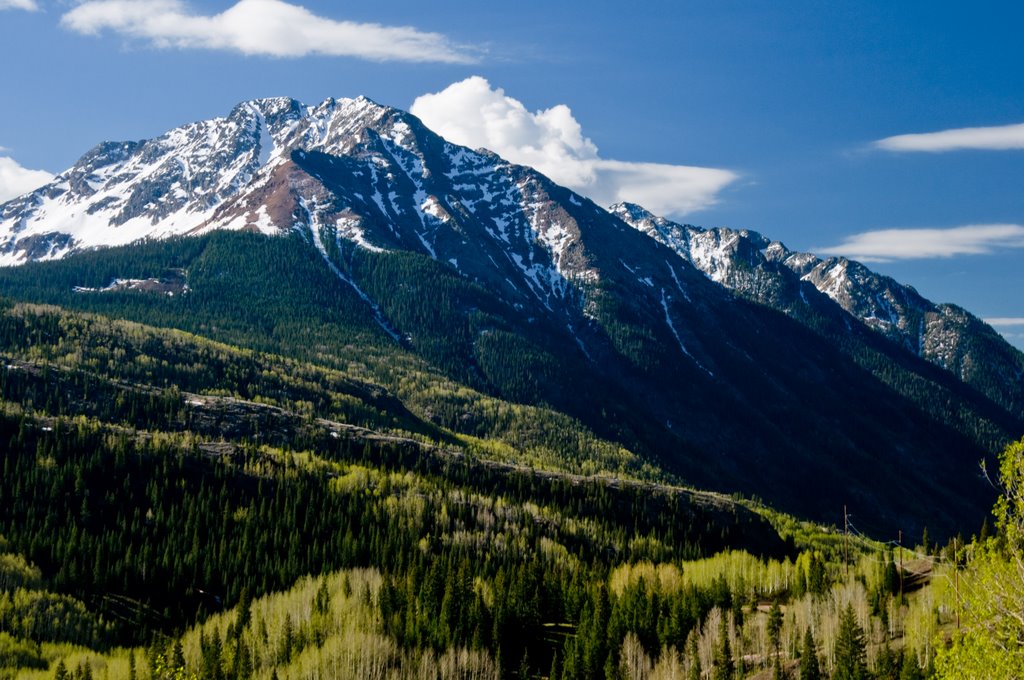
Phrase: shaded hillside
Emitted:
{"points": [[788, 414]]}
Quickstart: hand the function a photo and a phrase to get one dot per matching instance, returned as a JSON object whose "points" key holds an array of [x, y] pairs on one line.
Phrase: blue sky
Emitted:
{"points": [[762, 115]]}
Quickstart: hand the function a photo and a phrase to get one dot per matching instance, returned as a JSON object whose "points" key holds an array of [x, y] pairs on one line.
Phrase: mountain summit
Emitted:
{"points": [[120, 192], [718, 355]]}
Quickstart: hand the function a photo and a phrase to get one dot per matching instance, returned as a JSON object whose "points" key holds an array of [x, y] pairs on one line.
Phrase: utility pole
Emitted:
{"points": [[956, 582], [846, 542], [900, 543]]}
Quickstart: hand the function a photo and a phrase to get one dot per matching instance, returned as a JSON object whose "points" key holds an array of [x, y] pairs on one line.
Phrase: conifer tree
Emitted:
{"points": [[694, 656], [177, 655], [888, 664], [810, 669], [775, 626], [524, 666], [910, 670], [722, 665], [850, 648], [778, 672]]}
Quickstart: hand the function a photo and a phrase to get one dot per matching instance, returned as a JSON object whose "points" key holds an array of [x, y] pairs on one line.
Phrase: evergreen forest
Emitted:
{"points": [[208, 478]]}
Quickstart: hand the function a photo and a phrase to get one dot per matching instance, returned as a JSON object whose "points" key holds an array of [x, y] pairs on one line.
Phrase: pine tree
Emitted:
{"points": [[775, 626], [556, 667], [244, 612], [694, 655], [722, 665], [177, 655], [243, 661], [850, 649], [809, 666], [910, 669], [778, 672], [287, 642], [322, 600], [887, 664], [524, 666]]}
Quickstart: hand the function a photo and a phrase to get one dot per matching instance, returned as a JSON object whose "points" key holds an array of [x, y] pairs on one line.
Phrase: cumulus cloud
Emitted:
{"points": [[886, 245], [29, 5], [16, 180], [998, 138], [260, 27], [472, 113]]}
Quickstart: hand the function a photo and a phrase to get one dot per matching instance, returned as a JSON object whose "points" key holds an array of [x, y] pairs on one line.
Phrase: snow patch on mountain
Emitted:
{"points": [[768, 272], [315, 229]]}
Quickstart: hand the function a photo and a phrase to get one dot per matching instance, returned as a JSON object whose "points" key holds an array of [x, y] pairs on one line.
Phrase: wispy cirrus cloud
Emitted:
{"points": [[886, 245], [1005, 321], [261, 27], [996, 138], [16, 180], [27, 5], [474, 114]]}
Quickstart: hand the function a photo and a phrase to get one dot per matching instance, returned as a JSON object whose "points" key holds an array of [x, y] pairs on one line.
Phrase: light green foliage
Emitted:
{"points": [[1009, 508], [468, 543], [991, 643], [330, 625], [16, 572], [46, 616], [15, 653], [164, 669], [742, 573]]}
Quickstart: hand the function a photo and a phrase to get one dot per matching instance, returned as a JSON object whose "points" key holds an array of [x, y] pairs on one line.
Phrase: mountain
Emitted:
{"points": [[371, 241], [768, 272]]}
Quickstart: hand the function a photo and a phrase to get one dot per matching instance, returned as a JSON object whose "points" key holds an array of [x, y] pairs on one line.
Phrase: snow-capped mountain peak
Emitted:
{"points": [[120, 192], [350, 173], [493, 272], [769, 273]]}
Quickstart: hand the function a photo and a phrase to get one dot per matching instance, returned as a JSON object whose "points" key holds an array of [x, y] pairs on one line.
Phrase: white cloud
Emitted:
{"points": [[999, 138], [29, 5], [16, 180], [474, 114], [1010, 328], [260, 27], [886, 245]]}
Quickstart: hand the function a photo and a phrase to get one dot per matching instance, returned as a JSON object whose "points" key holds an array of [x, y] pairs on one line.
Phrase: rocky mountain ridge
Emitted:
{"points": [[768, 272], [488, 271]]}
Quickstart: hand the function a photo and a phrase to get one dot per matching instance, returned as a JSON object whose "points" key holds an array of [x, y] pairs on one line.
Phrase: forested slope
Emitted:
{"points": [[885, 432]]}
